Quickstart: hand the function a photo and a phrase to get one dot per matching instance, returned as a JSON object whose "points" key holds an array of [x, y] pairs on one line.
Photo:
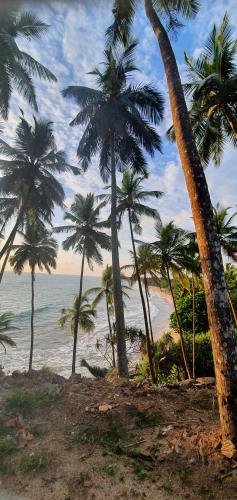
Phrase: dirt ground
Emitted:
{"points": [[95, 439]]}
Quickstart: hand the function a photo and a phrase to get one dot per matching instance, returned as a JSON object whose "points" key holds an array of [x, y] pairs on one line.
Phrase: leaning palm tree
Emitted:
{"points": [[148, 268], [28, 175], [227, 233], [16, 66], [117, 117], [171, 250], [212, 85], [105, 292], [159, 13], [5, 326], [38, 250], [131, 197], [86, 239], [86, 315]]}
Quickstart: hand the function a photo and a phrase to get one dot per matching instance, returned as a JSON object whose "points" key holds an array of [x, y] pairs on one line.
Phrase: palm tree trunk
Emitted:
{"points": [[5, 261], [232, 306], [32, 319], [194, 353], [75, 328], [110, 333], [148, 307], [219, 315], [148, 341], [186, 364], [117, 289], [11, 237]]}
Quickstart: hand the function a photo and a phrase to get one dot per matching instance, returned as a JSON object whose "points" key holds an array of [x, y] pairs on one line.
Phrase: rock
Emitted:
{"points": [[206, 380], [16, 374], [187, 383], [75, 378], [104, 408]]}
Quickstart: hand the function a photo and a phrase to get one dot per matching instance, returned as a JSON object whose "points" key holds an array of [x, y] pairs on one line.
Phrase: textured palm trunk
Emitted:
{"points": [[117, 289], [219, 314], [232, 306], [110, 332], [194, 346], [148, 341], [75, 327], [148, 307], [5, 261], [32, 319], [185, 359]]}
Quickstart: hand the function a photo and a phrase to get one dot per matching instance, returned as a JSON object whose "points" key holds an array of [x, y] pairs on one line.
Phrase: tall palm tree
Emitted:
{"points": [[28, 175], [86, 315], [148, 266], [117, 116], [212, 85], [5, 326], [171, 250], [87, 239], [227, 233], [16, 66], [222, 334], [131, 197], [105, 292], [38, 249]]}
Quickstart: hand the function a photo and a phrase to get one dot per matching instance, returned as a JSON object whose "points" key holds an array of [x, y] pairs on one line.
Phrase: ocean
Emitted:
{"points": [[53, 346]]}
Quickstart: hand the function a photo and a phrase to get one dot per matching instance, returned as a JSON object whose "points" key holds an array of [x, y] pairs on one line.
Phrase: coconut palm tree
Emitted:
{"points": [[105, 292], [164, 17], [86, 239], [212, 85], [227, 233], [16, 66], [5, 326], [28, 175], [117, 116], [171, 250], [38, 250], [131, 197], [86, 317], [148, 266]]}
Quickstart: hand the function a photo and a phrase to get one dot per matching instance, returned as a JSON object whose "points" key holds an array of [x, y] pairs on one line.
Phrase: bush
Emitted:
{"points": [[169, 361], [185, 311]]}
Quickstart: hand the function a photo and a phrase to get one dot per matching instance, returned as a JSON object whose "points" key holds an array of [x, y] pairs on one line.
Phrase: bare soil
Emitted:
{"points": [[99, 439]]}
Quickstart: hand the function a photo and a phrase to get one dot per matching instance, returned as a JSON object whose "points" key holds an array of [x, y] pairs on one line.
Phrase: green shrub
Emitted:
{"points": [[19, 402], [7, 445], [184, 306], [34, 462]]}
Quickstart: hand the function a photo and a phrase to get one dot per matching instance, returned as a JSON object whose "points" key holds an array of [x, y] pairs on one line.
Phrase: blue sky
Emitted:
{"points": [[73, 46]]}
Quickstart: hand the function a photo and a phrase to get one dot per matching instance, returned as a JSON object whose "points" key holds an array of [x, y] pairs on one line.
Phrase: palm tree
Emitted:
{"points": [[85, 320], [117, 116], [105, 291], [16, 66], [171, 250], [86, 239], [227, 233], [5, 326], [28, 175], [231, 279], [212, 85], [220, 320], [148, 266], [131, 197], [38, 249]]}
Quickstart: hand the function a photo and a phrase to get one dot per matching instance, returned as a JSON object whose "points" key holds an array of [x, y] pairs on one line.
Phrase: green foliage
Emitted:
{"points": [[5, 326], [169, 362], [34, 462], [184, 306], [96, 371], [109, 469], [24, 401], [7, 445]]}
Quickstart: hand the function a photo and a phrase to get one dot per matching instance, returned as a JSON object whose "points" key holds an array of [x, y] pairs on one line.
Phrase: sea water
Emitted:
{"points": [[53, 346]]}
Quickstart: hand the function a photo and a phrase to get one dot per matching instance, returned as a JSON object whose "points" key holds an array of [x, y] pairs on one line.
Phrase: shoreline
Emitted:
{"points": [[161, 321]]}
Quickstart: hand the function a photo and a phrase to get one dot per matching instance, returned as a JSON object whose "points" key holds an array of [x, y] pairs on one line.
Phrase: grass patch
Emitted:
{"points": [[7, 445], [36, 430], [109, 469], [34, 462], [183, 473], [24, 401], [81, 479], [140, 471]]}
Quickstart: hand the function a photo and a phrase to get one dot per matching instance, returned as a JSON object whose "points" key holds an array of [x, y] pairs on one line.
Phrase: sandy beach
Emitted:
{"points": [[161, 321]]}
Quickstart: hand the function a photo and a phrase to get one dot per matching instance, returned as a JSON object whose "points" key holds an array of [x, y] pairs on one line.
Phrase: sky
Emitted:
{"points": [[73, 46]]}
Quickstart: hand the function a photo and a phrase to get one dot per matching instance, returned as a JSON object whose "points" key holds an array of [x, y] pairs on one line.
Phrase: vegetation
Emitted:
{"points": [[118, 122]]}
